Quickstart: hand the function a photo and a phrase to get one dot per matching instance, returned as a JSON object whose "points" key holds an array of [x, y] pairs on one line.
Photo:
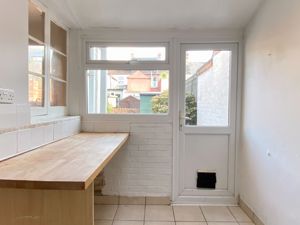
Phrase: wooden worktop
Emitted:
{"points": [[70, 164]]}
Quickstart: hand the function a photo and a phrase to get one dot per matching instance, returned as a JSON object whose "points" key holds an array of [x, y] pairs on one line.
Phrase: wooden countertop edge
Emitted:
{"points": [[42, 185], [62, 185]]}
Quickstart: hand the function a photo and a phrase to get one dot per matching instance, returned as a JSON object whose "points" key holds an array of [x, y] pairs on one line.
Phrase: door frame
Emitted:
{"points": [[179, 196]]}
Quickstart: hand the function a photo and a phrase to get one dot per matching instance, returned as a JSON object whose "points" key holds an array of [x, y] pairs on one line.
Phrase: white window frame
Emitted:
{"points": [[232, 98], [126, 44], [126, 65], [47, 110]]}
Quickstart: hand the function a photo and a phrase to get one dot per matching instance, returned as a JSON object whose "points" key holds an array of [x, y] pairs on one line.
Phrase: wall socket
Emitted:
{"points": [[7, 96]]}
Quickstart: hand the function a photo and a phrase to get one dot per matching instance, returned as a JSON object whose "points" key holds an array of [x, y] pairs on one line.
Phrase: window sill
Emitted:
{"points": [[45, 120]]}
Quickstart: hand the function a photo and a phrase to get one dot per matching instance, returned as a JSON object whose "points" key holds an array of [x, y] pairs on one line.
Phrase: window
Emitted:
{"points": [[36, 56], [154, 81], [207, 87], [47, 62], [127, 88], [58, 65], [126, 53]]}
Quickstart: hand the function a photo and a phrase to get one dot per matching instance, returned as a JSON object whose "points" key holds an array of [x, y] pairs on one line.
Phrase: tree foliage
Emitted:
{"points": [[191, 109], [160, 103], [164, 75]]}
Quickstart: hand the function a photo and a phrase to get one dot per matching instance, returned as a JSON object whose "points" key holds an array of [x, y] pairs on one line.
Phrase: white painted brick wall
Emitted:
{"points": [[144, 166]]}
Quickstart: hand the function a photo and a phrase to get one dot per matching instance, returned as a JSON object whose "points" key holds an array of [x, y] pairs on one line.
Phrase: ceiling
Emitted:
{"points": [[155, 14]]}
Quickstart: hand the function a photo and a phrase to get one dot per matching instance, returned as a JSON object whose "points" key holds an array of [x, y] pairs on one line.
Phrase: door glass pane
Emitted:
{"points": [[57, 93], [207, 85], [128, 91], [36, 56], [36, 91], [111, 53]]}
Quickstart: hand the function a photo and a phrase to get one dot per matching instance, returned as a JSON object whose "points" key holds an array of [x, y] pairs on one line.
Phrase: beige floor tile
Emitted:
{"points": [[239, 214], [246, 223], [217, 214], [158, 201], [159, 223], [128, 222], [222, 223], [132, 200], [159, 213], [191, 223], [105, 212], [106, 200], [130, 212], [188, 213], [103, 222]]}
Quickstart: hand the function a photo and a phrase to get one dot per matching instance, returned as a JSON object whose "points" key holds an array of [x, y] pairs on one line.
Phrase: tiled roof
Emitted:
{"points": [[138, 75]]}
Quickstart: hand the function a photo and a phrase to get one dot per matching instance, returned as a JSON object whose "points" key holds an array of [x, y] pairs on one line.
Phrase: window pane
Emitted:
{"points": [[57, 93], [207, 85], [58, 38], [36, 22], [36, 91], [58, 65], [127, 91], [36, 57], [128, 53]]}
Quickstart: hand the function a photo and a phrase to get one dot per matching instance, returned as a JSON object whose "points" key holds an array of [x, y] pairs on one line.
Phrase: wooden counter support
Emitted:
{"points": [[46, 207], [53, 185]]}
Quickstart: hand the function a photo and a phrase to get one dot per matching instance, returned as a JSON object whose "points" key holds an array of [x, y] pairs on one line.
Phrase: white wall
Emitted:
{"points": [[271, 114], [13, 47], [13, 62]]}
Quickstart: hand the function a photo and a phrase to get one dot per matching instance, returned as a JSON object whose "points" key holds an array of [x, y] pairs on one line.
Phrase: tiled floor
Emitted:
{"points": [[145, 214]]}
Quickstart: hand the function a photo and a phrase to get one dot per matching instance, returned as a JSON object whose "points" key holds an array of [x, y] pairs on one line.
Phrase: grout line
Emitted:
{"points": [[173, 214], [203, 214], [115, 214], [144, 212], [232, 215]]}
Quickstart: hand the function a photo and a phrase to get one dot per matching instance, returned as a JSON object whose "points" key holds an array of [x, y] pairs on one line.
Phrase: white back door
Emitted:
{"points": [[207, 130]]}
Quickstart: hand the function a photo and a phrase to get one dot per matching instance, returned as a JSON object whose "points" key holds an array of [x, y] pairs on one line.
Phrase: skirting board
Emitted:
{"points": [[131, 200], [206, 200], [250, 212], [182, 200]]}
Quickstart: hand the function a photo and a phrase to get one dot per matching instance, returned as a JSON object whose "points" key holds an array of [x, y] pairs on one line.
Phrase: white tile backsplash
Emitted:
{"points": [[58, 131], [22, 115], [37, 136], [49, 133], [71, 127], [24, 140], [8, 116], [8, 144]]}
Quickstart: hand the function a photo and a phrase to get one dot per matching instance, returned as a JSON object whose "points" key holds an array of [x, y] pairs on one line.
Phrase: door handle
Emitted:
{"points": [[182, 118], [185, 118]]}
